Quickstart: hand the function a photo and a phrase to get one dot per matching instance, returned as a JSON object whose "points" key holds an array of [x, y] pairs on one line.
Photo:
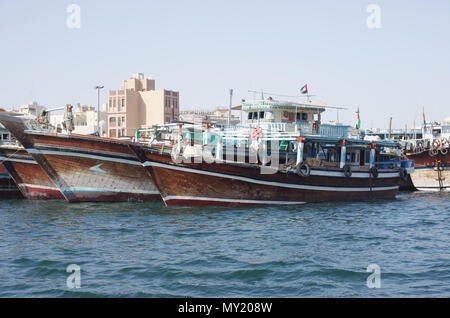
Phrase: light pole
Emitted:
{"points": [[98, 88]]}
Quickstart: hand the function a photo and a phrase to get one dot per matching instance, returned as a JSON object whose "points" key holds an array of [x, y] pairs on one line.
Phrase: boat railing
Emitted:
{"points": [[403, 163]]}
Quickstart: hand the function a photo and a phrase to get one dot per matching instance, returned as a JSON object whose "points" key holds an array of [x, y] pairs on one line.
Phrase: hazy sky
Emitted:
{"points": [[204, 48]]}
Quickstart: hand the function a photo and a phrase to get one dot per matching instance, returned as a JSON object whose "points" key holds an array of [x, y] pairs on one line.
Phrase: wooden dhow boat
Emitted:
{"points": [[29, 177], [84, 168], [313, 169], [431, 155]]}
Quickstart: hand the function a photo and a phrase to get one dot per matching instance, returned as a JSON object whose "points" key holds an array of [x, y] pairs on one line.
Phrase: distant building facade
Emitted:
{"points": [[32, 109], [217, 116], [84, 118], [138, 105]]}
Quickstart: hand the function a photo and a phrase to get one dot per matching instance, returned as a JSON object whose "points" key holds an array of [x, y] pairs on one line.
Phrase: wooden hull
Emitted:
{"points": [[86, 168], [234, 184], [29, 177], [8, 188], [431, 179], [431, 173]]}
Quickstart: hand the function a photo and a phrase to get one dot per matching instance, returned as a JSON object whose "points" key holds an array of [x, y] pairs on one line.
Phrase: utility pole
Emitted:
{"points": [[390, 127], [98, 88], [229, 108]]}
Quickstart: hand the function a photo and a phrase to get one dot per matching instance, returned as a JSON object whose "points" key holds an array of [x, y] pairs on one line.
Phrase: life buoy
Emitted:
{"points": [[433, 152], [445, 143], [347, 171], [175, 153], [303, 169], [436, 143], [403, 174], [256, 133], [374, 172]]}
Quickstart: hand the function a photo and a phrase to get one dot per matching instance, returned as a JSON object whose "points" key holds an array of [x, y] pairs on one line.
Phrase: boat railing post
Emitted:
{"points": [[372, 155], [300, 147], [219, 148], [343, 154]]}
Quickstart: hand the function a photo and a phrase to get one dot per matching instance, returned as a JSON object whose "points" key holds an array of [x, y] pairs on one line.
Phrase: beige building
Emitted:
{"points": [[138, 105]]}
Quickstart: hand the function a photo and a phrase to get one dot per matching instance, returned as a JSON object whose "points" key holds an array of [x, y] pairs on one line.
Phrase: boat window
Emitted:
{"points": [[261, 115], [250, 115], [367, 156], [302, 116]]}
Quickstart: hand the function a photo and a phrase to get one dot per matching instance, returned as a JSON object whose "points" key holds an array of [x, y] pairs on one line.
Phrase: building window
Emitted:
{"points": [[123, 120], [112, 122], [112, 133]]}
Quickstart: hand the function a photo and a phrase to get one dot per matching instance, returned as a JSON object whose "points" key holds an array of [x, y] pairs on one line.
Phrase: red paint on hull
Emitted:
{"points": [[34, 192]]}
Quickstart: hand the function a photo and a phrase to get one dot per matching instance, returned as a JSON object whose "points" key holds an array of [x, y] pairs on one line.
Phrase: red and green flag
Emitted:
{"points": [[423, 115], [358, 124], [304, 89]]}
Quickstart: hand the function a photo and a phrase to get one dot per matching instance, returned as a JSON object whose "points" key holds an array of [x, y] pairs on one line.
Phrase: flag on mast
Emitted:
{"points": [[423, 114], [358, 124], [304, 89]]}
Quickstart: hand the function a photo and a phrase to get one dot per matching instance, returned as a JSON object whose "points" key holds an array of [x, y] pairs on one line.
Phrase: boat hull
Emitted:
{"points": [[29, 177], [92, 170], [8, 188], [431, 173], [86, 168], [235, 185]]}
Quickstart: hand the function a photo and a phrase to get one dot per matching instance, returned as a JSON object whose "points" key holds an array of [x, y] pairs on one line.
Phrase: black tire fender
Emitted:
{"points": [[374, 172], [347, 171], [303, 169]]}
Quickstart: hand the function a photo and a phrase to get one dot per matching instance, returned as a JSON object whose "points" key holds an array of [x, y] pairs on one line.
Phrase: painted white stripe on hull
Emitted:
{"points": [[89, 189], [82, 155], [174, 197], [18, 160], [354, 174], [37, 186], [269, 183], [433, 189]]}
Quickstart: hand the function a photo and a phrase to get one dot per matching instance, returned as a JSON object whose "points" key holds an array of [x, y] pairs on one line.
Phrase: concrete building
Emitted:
{"points": [[138, 105], [32, 109], [217, 116], [85, 119]]}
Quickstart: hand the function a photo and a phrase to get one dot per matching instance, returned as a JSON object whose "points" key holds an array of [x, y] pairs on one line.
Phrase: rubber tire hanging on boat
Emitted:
{"points": [[299, 169], [374, 172], [347, 171], [433, 152], [403, 174], [444, 151]]}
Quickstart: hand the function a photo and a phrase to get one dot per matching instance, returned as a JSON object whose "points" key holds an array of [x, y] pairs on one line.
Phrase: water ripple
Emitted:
{"points": [[148, 250]]}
